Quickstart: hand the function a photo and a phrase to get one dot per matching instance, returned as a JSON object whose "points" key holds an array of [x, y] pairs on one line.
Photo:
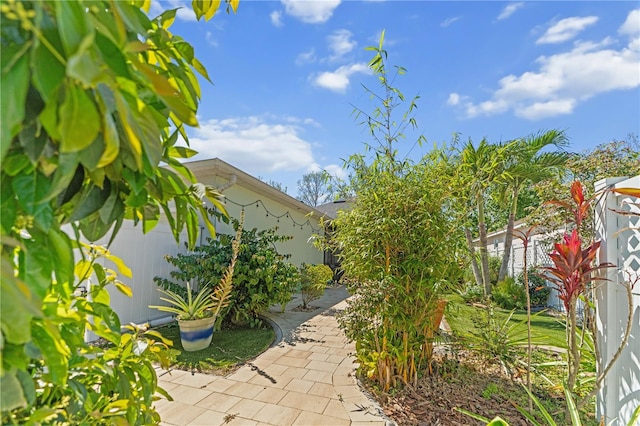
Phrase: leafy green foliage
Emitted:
{"points": [[397, 244], [538, 290], [71, 381], [509, 295], [472, 294], [99, 95], [262, 276], [614, 158], [313, 281], [208, 302]]}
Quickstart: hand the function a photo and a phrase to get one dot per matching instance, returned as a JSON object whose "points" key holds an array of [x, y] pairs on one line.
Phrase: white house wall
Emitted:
{"points": [[144, 255], [263, 213]]}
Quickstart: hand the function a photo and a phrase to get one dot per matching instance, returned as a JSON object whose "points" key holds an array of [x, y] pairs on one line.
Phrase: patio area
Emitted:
{"points": [[306, 378]]}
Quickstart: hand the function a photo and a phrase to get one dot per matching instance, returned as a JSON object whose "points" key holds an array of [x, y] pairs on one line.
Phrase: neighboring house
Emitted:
{"points": [[265, 207], [537, 254]]}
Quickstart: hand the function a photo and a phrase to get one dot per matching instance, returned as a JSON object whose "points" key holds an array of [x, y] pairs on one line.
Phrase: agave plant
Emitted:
{"points": [[190, 307]]}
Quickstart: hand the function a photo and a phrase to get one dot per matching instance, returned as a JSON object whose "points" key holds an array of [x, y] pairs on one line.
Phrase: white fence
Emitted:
{"points": [[620, 236]]}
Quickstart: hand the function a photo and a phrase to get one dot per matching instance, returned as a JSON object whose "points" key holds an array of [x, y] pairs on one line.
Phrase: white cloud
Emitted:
{"points": [[338, 80], [336, 171], [454, 99], [509, 10], [311, 12], [566, 29], [449, 21], [631, 26], [253, 144], [340, 43], [306, 57], [551, 108], [562, 81], [276, 18]]}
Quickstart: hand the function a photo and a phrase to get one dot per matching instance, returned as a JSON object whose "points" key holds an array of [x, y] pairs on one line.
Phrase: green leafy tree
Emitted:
{"points": [[478, 168], [528, 164], [397, 244], [315, 188], [99, 95], [611, 159]]}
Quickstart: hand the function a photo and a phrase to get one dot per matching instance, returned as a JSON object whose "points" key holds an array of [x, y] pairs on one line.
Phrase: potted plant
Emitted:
{"points": [[197, 314]]}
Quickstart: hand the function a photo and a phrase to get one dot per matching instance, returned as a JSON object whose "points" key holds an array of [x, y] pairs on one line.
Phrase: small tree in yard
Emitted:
{"points": [[313, 281], [397, 245]]}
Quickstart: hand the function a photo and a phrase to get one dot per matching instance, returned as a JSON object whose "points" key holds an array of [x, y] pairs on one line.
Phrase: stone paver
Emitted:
{"points": [[305, 380]]}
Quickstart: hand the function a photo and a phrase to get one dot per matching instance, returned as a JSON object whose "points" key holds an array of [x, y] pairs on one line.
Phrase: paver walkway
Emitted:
{"points": [[306, 379]]}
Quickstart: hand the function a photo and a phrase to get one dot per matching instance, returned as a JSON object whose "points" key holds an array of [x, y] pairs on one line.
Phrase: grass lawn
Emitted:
{"points": [[545, 329], [230, 347]]}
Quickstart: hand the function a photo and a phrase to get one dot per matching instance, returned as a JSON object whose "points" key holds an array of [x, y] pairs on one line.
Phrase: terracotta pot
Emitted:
{"points": [[196, 334]]}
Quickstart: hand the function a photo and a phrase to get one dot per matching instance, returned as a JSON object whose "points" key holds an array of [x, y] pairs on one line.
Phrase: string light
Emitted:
{"points": [[287, 214]]}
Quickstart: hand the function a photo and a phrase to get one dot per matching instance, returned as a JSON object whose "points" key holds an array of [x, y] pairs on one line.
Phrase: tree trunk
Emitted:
{"points": [[472, 255], [508, 238], [484, 254]]}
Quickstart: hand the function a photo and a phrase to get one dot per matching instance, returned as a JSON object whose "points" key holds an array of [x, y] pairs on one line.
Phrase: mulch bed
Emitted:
{"points": [[465, 382]]}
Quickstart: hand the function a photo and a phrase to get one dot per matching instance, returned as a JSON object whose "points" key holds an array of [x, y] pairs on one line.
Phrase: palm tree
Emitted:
{"points": [[481, 167], [527, 164]]}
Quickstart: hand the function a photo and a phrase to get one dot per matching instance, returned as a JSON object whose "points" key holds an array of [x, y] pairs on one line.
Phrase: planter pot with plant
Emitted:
{"points": [[197, 314]]}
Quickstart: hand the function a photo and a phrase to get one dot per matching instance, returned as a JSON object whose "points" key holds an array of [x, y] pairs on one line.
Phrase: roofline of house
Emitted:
{"points": [[215, 167]]}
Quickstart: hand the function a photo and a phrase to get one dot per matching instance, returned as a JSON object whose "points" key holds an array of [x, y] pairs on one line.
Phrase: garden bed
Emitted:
{"points": [[464, 380]]}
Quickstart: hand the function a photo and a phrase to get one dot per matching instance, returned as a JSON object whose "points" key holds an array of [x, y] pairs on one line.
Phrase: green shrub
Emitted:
{"points": [[538, 289], [262, 276], [494, 268], [313, 281], [509, 295], [472, 294]]}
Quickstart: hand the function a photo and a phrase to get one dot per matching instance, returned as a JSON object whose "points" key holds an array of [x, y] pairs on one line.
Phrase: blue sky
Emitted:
{"points": [[287, 75]]}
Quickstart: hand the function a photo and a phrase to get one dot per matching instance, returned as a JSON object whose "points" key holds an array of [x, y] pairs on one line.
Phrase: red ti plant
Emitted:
{"points": [[572, 271]]}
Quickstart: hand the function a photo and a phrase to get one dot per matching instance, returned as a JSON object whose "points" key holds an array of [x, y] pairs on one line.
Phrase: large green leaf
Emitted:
{"points": [[48, 72], [62, 253], [93, 228], [18, 306], [29, 189], [12, 102], [91, 200], [38, 264], [63, 175], [11, 392], [79, 120], [33, 141], [73, 25], [47, 338], [84, 65]]}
